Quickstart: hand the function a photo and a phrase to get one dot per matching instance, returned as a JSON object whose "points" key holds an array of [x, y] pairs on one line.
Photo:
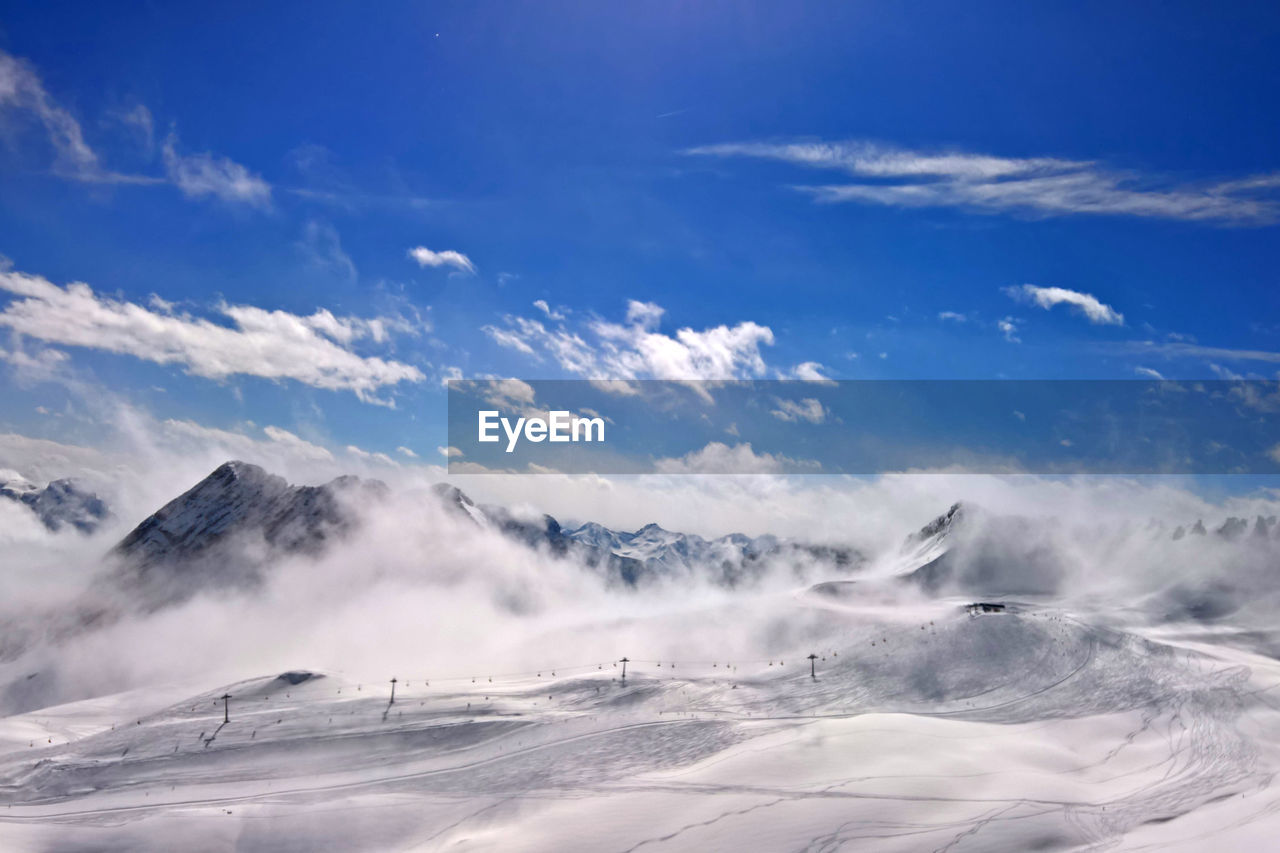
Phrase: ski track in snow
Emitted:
{"points": [[1025, 730]]}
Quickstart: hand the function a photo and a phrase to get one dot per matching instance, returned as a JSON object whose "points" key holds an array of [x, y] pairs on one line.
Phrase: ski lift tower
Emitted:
{"points": [[812, 672]]}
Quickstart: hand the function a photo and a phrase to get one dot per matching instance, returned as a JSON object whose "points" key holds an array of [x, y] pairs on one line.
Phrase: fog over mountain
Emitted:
{"points": [[57, 504], [505, 628]]}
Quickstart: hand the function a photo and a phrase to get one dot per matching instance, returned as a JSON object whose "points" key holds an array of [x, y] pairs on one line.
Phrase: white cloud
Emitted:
{"points": [[406, 451], [617, 387], [807, 409], [449, 452], [322, 245], [720, 458], [1148, 372], [1087, 304], [953, 316], [541, 305], [22, 89], [634, 350], [809, 371], [509, 339], [1009, 328], [644, 314], [204, 174], [1189, 350], [275, 345], [298, 446], [447, 258], [508, 394], [279, 444], [1225, 373], [140, 121], [371, 456], [44, 364], [449, 372], [1048, 186]]}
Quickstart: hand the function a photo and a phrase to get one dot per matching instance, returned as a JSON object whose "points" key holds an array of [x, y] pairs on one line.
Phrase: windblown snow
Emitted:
{"points": [[862, 704]]}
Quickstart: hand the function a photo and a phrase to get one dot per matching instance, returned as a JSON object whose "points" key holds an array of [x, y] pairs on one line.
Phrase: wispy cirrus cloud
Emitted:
{"points": [[1179, 349], [23, 94], [316, 349], [720, 458], [445, 258], [1044, 186], [207, 175], [202, 175], [807, 409], [1085, 304], [809, 371], [1009, 328], [322, 246], [21, 89]]}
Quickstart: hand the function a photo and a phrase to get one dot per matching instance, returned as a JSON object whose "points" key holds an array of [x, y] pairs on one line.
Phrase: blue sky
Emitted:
{"points": [[850, 190]]}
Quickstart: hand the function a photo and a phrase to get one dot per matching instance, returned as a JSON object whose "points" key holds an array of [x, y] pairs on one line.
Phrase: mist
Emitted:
{"points": [[419, 592]]}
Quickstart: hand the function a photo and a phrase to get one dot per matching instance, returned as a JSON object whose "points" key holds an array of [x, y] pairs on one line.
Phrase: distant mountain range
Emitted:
{"points": [[59, 504], [226, 530], [651, 552]]}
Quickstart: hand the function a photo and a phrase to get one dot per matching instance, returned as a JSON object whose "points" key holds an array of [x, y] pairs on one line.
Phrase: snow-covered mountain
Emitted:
{"points": [[222, 531], [1051, 723], [225, 530], [59, 504], [652, 551], [735, 556], [973, 551]]}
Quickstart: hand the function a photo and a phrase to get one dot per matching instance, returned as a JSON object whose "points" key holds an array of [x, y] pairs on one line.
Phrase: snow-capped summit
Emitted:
{"points": [[59, 503], [211, 534], [652, 551], [978, 552], [729, 558]]}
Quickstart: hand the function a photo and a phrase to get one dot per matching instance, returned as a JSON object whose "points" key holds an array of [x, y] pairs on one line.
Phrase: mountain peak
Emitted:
{"points": [[59, 503], [195, 539]]}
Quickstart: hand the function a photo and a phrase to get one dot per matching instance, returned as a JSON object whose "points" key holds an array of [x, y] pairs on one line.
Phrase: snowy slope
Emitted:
{"points": [[1031, 730], [928, 725]]}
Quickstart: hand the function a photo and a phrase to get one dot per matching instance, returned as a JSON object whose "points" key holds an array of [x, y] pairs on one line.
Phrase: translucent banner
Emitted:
{"points": [[863, 427]]}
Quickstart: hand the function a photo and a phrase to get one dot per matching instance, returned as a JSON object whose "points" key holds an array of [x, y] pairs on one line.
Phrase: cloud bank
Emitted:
{"points": [[638, 349], [315, 350]]}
